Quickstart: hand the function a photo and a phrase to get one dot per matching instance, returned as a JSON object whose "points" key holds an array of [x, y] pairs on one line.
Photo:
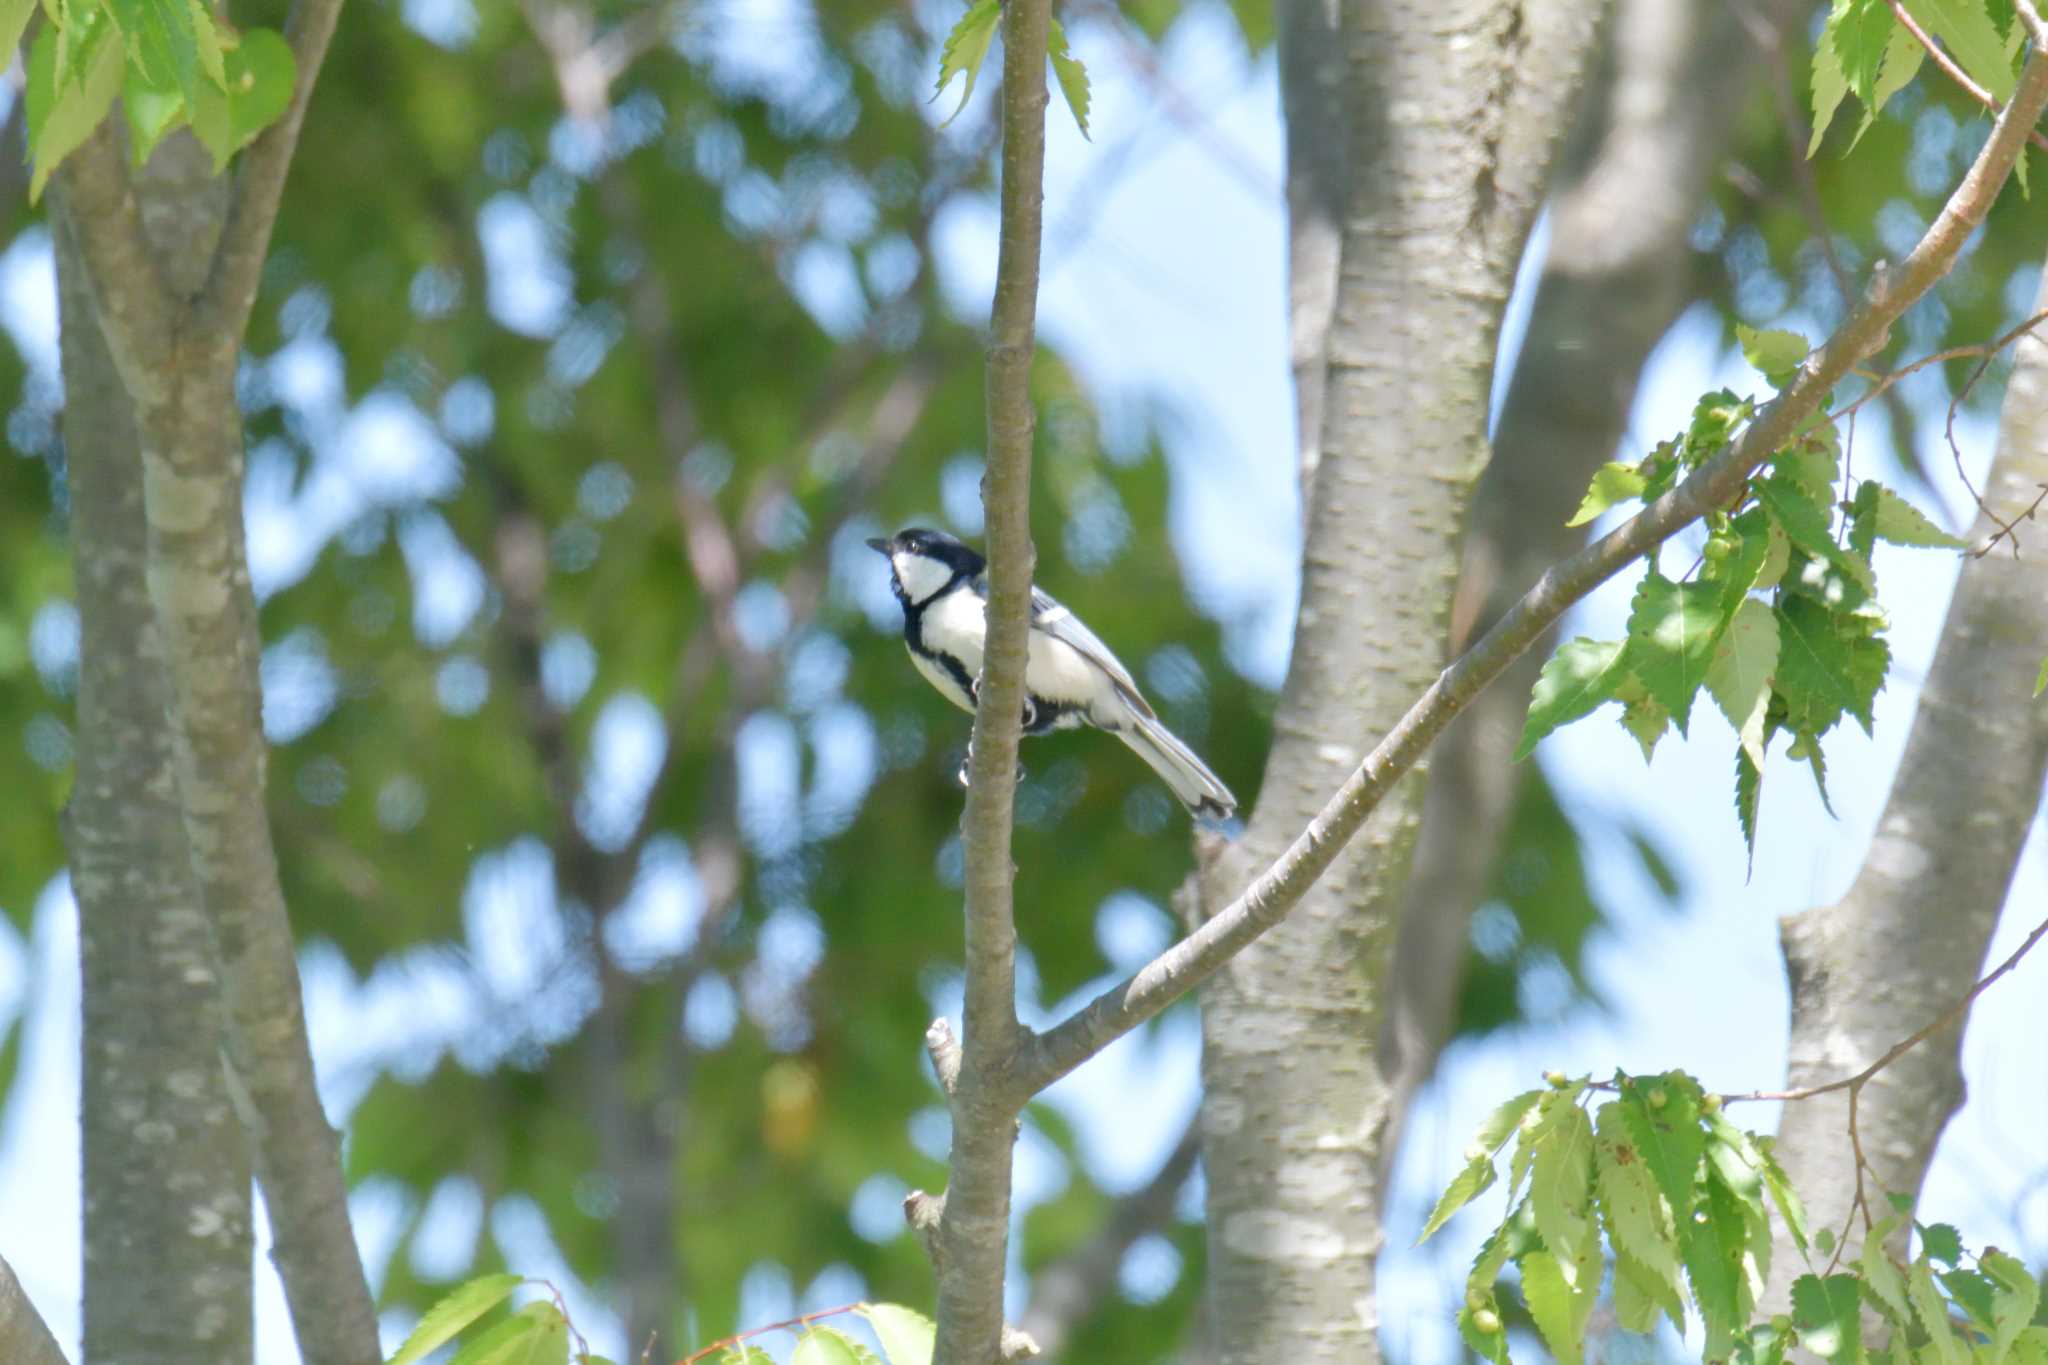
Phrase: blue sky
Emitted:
{"points": [[1165, 284]]}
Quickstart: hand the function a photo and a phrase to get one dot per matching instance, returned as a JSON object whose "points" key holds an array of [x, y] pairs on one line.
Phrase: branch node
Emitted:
{"points": [[944, 1049], [923, 1212]]}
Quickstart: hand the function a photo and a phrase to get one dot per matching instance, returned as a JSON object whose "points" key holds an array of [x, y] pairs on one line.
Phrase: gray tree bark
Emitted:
{"points": [[166, 1166], [1616, 274], [1910, 936], [24, 1337], [1451, 113]]}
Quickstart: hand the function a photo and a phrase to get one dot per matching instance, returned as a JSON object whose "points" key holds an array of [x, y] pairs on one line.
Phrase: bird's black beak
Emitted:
{"points": [[881, 546]]}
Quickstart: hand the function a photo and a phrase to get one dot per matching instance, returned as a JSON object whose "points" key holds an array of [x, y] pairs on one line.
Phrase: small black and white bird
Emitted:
{"points": [[1070, 678]]}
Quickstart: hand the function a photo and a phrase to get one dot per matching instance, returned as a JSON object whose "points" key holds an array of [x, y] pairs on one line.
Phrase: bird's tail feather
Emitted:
{"points": [[1199, 789]]}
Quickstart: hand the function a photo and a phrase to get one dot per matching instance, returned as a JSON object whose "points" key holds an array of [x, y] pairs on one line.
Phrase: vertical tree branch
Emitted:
{"points": [[974, 1229], [166, 1163], [24, 1337]]}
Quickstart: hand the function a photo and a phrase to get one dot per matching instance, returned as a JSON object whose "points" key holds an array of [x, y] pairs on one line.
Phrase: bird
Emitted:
{"points": [[1071, 678]]}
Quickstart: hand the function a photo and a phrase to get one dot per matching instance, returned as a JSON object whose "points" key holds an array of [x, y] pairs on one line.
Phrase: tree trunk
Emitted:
{"points": [[1452, 113], [1617, 273], [167, 1223], [1909, 937]]}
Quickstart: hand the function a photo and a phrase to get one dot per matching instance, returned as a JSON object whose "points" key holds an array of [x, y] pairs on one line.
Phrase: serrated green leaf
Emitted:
{"points": [[1561, 1185], [1739, 676], [2014, 1296], [1612, 483], [1883, 1282], [1501, 1124], [1634, 1309], [1561, 1295], [1828, 1314], [1071, 75], [1814, 464], [1863, 519], [536, 1335], [61, 116], [745, 1355], [206, 42], [1579, 677], [1932, 1310], [1973, 1293], [1735, 574], [163, 50], [14, 16], [1807, 748], [1491, 1345], [1790, 1207], [1965, 29], [261, 72], [1942, 1242], [1773, 354], [1488, 1264], [1777, 558], [966, 47], [152, 116], [1829, 84], [1667, 1134], [1477, 1177], [1823, 668], [1647, 720], [2030, 1347], [908, 1337], [1715, 1242], [1901, 523], [1749, 785], [1672, 629], [1805, 520], [828, 1346], [1762, 1345], [1636, 1215], [1716, 417], [456, 1310], [1895, 71]]}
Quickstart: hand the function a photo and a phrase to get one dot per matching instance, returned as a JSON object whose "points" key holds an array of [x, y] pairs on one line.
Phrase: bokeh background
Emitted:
{"points": [[572, 393]]}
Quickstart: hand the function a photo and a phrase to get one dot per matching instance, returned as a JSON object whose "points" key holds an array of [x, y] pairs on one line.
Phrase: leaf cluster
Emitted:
{"points": [[173, 63], [967, 47], [1778, 621], [1683, 1198]]}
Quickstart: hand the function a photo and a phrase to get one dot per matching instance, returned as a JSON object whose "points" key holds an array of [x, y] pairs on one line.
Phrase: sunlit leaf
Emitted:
{"points": [[966, 47], [1612, 483], [1071, 75], [908, 1337], [1577, 679], [458, 1309]]}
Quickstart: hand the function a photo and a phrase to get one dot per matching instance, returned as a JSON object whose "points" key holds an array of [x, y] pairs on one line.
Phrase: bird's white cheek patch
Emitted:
{"points": [[919, 576]]}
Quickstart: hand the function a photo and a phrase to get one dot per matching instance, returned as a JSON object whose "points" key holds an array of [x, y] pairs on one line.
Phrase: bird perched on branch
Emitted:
{"points": [[1071, 679]]}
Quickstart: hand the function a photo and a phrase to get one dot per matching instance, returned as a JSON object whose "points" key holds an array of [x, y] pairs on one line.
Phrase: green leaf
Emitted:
{"points": [[1863, 519], [1561, 1295], [1667, 1133], [1942, 1243], [1932, 1310], [745, 1355], [61, 116], [966, 46], [536, 1335], [2041, 679], [1823, 668], [1830, 84], [1763, 1345], [1974, 1294], [1896, 69], [1501, 1124], [14, 16], [827, 1346], [1749, 785], [1805, 520], [1561, 1185], [1790, 1208], [1634, 1210], [1883, 1283], [1647, 720], [1715, 1240], [1828, 1315], [1071, 75], [1579, 677], [2013, 1299], [152, 115], [1739, 675], [1635, 1307], [1672, 628], [1477, 1177], [1774, 354], [1736, 573], [164, 51], [1901, 523], [456, 1310], [206, 42], [1488, 1343], [1966, 30], [1613, 482], [908, 1337], [261, 74]]}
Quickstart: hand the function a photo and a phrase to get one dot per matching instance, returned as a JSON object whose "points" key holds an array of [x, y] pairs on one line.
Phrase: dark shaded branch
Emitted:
{"points": [[1053, 1054], [24, 1337], [259, 183]]}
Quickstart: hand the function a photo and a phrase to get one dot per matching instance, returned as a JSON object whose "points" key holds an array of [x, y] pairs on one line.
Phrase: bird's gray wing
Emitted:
{"points": [[1055, 620]]}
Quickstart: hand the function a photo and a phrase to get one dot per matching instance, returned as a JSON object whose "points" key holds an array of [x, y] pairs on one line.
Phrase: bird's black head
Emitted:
{"points": [[924, 563]]}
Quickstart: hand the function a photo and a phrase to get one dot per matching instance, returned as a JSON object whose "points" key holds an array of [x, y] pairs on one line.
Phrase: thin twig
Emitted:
{"points": [[2005, 528], [1053, 1054], [1949, 67], [786, 1325], [1907, 1044]]}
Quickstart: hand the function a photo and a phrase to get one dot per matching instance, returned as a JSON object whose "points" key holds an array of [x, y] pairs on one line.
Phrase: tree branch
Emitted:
{"points": [[135, 305], [230, 290], [1949, 67], [24, 1337], [1048, 1056], [974, 1229]]}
